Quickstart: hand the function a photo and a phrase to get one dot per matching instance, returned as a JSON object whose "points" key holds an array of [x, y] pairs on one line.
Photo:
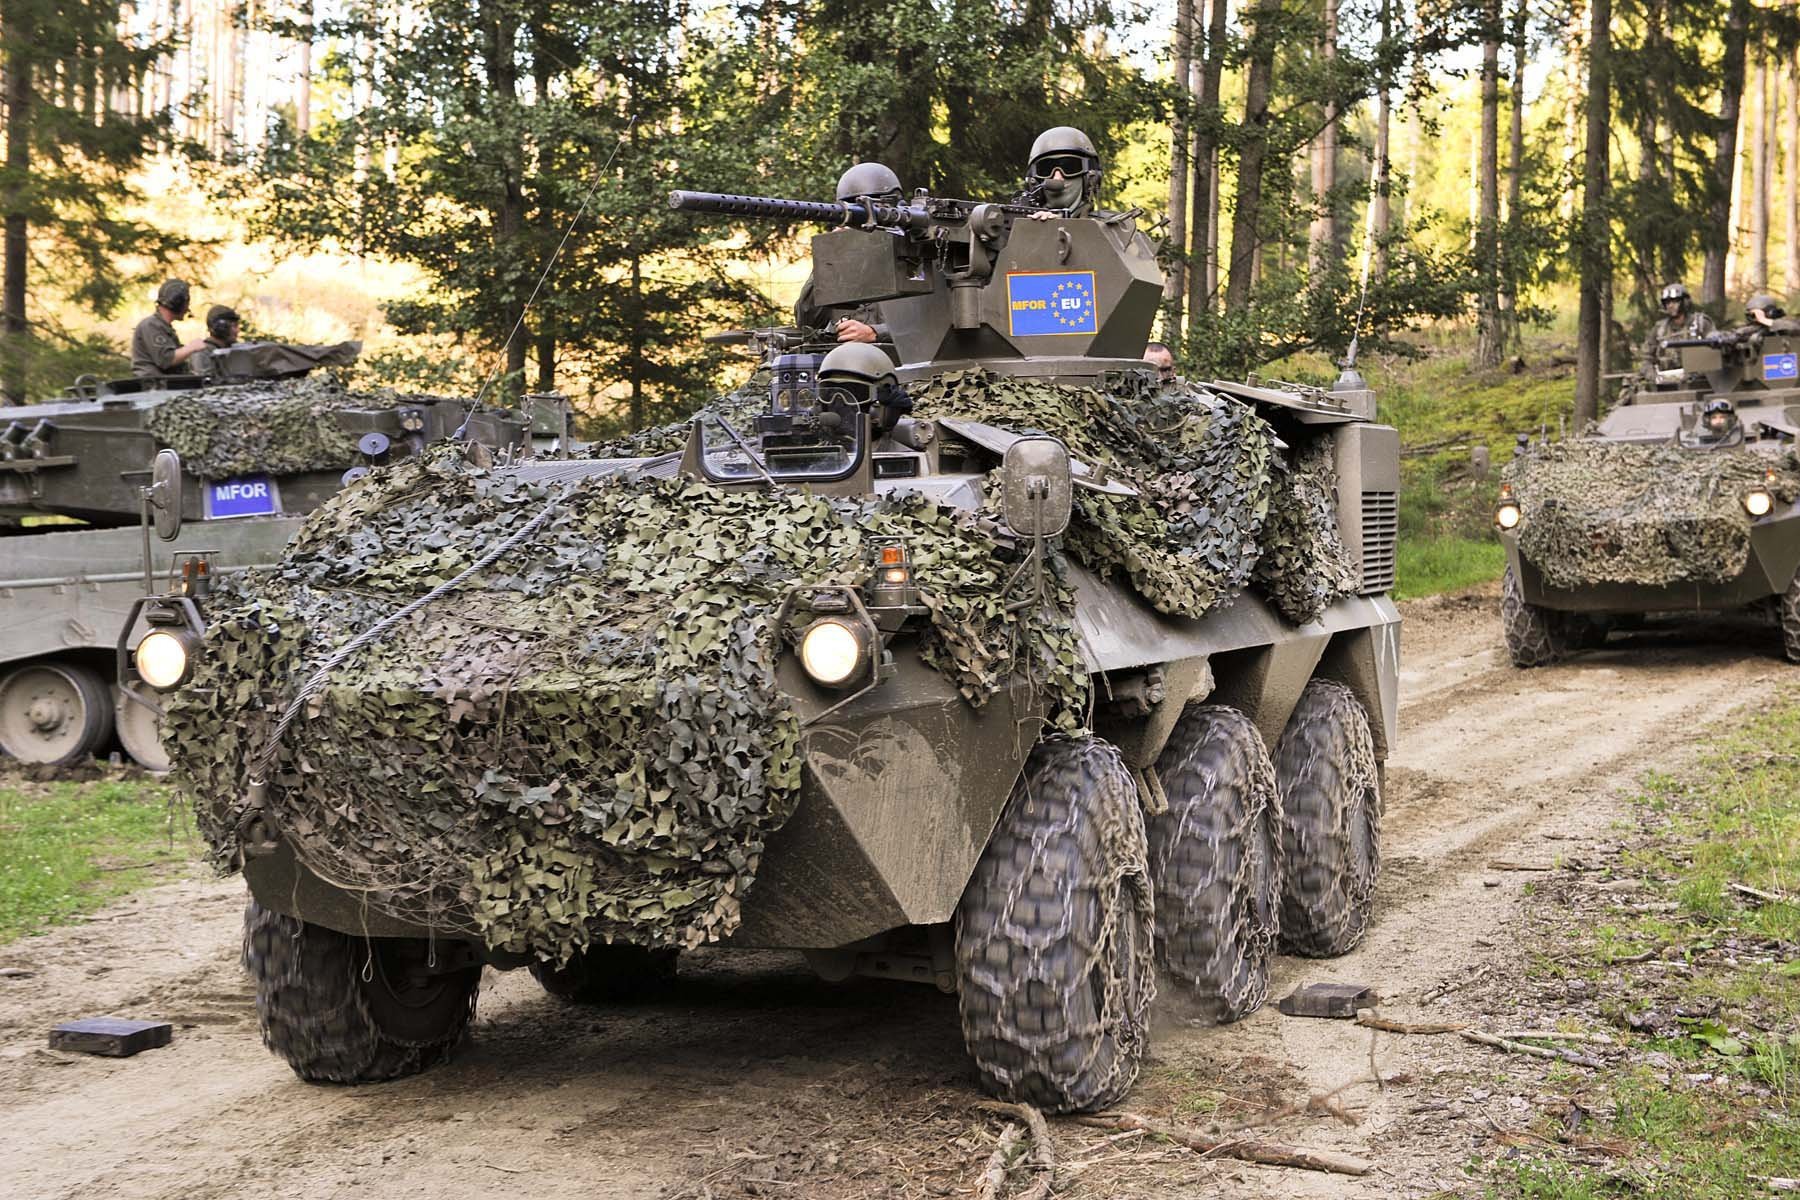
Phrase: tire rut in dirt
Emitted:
{"points": [[1215, 862], [1054, 934], [1535, 637], [339, 1009], [615, 974], [1330, 821]]}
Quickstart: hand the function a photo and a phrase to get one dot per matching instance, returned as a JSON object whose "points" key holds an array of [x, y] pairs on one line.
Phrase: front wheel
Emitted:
{"points": [[1215, 861], [1535, 636], [344, 1009], [1054, 934], [1330, 821]]}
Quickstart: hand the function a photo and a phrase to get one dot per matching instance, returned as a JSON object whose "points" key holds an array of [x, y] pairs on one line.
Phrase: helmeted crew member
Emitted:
{"points": [[1763, 314], [155, 347], [866, 181], [222, 325], [1063, 172], [1680, 320], [1162, 358]]}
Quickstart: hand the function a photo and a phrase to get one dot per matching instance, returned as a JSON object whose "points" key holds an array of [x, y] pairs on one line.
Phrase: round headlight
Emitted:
{"points": [[162, 658], [833, 651], [1506, 516], [1758, 502]]}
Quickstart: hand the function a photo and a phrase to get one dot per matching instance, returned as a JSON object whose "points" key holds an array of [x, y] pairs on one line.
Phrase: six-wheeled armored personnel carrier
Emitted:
{"points": [[263, 445], [1681, 501], [978, 659]]}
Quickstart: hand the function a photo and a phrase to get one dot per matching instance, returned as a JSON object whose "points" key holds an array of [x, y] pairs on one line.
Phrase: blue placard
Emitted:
{"points": [[245, 496], [1781, 366], [1050, 302]]}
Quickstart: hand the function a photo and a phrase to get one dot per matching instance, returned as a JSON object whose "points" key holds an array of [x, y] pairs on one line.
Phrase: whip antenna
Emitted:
{"points": [[545, 273]]}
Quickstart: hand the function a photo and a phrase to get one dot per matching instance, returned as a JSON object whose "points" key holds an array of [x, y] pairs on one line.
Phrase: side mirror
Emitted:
{"points": [[165, 494], [1036, 488]]}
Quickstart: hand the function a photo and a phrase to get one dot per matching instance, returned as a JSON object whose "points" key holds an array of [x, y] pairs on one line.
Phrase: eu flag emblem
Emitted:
{"points": [[1781, 366], [1050, 302]]}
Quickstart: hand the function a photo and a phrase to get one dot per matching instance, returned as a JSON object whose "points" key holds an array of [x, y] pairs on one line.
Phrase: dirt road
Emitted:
{"points": [[757, 1079]]}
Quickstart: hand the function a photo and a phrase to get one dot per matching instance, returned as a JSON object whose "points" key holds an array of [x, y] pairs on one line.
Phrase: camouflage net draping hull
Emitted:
{"points": [[1594, 511], [586, 741], [283, 427], [1217, 508]]}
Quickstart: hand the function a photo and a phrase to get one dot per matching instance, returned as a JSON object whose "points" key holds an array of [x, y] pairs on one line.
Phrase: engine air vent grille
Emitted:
{"points": [[1380, 531]]}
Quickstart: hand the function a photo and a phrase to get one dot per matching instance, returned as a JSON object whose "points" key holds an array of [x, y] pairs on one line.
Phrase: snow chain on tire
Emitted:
{"points": [[1215, 861], [1330, 821], [1535, 637], [1790, 620], [1054, 934], [317, 1004]]}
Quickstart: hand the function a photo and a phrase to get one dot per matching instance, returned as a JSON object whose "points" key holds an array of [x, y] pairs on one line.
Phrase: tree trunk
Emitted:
{"points": [[509, 198], [1791, 180], [1760, 158], [15, 331], [1594, 250], [1515, 169], [303, 81], [1489, 337], [546, 363], [1718, 233], [1322, 237], [1175, 284], [1203, 279], [1575, 63], [1245, 239], [635, 357]]}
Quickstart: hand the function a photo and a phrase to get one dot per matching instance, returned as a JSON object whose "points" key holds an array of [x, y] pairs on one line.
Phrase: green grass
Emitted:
{"points": [[67, 848], [1427, 566], [1718, 1106]]}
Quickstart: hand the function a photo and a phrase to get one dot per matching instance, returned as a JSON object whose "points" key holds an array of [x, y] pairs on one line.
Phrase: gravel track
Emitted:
{"points": [[755, 1078]]}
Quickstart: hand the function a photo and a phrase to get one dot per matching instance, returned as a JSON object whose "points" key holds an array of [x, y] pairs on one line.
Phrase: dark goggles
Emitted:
{"points": [[1070, 165]]}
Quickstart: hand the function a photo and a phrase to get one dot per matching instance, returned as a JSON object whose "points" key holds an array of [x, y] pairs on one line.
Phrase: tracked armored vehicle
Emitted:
{"points": [[72, 476], [976, 660], [1681, 501]]}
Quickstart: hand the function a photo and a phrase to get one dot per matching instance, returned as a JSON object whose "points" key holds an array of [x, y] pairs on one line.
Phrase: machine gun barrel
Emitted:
{"points": [[841, 212]]}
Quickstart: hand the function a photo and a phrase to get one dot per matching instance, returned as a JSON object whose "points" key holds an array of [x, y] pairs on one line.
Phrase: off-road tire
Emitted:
{"points": [[1215, 862], [1330, 821], [1054, 934], [615, 974], [325, 1003], [89, 715], [1535, 637], [1790, 620]]}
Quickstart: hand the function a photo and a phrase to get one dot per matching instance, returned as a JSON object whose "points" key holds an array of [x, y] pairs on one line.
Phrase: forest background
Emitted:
{"points": [[1462, 179]]}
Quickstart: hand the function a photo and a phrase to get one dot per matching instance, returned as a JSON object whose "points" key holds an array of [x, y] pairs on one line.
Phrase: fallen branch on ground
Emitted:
{"points": [[993, 1175], [1268, 1153], [1744, 889], [1043, 1150], [1551, 1052], [1504, 864], [1554, 1035], [1366, 1017]]}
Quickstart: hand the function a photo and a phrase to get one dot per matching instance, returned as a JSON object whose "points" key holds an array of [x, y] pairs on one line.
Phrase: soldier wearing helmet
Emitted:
{"points": [[862, 376], [1063, 172], [155, 347], [864, 183], [1680, 321], [1764, 314]]}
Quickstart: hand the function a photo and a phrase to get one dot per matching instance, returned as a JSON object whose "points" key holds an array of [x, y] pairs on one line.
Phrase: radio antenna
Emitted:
{"points": [[544, 275]]}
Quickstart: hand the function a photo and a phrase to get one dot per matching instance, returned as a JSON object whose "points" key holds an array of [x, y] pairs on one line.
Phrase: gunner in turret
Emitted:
{"points": [[867, 181]]}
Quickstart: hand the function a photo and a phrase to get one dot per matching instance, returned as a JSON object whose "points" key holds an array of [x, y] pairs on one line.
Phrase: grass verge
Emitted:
{"points": [[67, 848], [1698, 968]]}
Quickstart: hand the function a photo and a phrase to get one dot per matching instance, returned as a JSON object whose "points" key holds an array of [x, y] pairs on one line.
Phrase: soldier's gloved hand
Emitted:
{"points": [[1042, 215], [849, 330]]}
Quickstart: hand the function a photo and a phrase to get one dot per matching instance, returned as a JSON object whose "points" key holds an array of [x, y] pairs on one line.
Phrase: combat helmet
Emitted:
{"points": [[175, 296], [856, 363], [1771, 307], [1071, 151], [871, 179], [1675, 291]]}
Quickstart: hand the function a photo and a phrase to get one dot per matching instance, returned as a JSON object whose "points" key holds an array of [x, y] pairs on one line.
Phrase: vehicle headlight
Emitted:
{"points": [[835, 651], [1506, 514], [1758, 502], [163, 657]]}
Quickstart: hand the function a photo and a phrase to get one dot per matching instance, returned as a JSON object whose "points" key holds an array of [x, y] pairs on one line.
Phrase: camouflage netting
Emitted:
{"points": [[1610, 512], [585, 741], [1304, 564], [282, 427]]}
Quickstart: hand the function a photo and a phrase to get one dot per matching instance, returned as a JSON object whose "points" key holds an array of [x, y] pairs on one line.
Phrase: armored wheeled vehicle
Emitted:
{"points": [[974, 658], [1678, 502], [263, 445]]}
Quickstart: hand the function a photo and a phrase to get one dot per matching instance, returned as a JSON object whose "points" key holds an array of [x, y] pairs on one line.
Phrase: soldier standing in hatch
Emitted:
{"points": [[222, 326], [864, 182], [155, 348], [1680, 320], [1163, 359]]}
